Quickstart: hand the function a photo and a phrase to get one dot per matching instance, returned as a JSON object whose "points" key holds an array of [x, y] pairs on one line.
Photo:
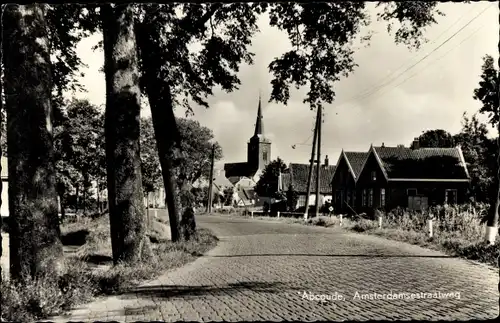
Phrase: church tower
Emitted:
{"points": [[259, 147]]}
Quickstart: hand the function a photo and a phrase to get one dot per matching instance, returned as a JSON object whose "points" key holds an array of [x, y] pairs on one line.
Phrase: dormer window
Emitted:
{"points": [[374, 175]]}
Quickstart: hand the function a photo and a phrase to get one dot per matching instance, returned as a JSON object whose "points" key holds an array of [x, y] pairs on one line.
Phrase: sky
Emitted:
{"points": [[401, 100]]}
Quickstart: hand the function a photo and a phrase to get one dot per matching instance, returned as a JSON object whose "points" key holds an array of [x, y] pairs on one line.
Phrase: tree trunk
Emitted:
{"points": [[35, 234], [84, 197], [61, 205], [98, 198], [122, 127], [164, 123], [77, 193]]}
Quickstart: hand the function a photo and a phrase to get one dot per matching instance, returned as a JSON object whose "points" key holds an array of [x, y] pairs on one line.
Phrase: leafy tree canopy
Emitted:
{"points": [[487, 92], [480, 155], [268, 181], [193, 162], [438, 138]]}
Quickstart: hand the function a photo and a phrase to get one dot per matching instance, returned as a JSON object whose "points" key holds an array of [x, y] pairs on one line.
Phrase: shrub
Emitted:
{"points": [[363, 225], [48, 295]]}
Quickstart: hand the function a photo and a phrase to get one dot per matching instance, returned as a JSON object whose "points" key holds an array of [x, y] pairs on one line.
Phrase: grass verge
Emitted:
{"points": [[457, 230], [83, 278]]}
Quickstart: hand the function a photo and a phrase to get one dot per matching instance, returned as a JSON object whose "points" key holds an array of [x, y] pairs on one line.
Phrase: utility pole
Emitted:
{"points": [[311, 166], [211, 181], [320, 111]]}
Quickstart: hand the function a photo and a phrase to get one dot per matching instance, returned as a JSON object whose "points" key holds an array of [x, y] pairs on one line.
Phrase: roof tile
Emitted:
{"points": [[299, 174], [356, 159], [425, 163]]}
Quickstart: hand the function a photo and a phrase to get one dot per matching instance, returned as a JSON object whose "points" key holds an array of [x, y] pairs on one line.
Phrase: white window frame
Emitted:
{"points": [[370, 197], [382, 194], [373, 176], [364, 199], [446, 195]]}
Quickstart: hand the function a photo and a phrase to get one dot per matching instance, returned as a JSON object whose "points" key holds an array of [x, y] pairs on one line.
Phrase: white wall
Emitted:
{"points": [[312, 200], [5, 198]]}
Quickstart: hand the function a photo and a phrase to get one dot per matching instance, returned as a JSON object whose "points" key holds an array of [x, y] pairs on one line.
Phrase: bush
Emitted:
{"points": [[323, 221], [363, 225], [48, 295]]}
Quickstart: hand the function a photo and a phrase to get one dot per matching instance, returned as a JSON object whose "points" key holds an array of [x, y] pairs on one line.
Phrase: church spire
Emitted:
{"points": [[259, 125]]}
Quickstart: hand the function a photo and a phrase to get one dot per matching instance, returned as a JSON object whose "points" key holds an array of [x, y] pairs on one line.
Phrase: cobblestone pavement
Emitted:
{"points": [[260, 271]]}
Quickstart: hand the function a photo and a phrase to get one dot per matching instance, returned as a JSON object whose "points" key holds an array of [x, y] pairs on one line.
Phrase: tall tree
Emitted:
{"points": [[150, 165], [438, 138], [479, 154], [268, 181], [122, 129], [35, 235], [488, 93], [79, 142], [172, 74]]}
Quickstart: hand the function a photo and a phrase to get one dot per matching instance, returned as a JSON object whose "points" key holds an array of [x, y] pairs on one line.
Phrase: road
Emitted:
{"points": [[263, 270]]}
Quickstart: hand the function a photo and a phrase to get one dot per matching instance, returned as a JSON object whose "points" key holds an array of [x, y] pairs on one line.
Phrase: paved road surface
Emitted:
{"points": [[260, 271]]}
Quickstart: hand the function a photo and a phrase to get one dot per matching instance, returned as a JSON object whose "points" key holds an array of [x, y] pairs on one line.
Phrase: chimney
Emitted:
{"points": [[416, 144], [383, 145], [326, 161]]}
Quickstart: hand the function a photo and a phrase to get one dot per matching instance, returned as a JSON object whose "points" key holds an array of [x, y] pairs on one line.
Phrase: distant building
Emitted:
{"points": [[258, 155], [298, 176]]}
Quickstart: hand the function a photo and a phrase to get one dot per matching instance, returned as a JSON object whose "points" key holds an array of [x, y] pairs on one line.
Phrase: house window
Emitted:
{"points": [[348, 197], [374, 175], [450, 196], [364, 197], [382, 197], [264, 155], [411, 192], [370, 197]]}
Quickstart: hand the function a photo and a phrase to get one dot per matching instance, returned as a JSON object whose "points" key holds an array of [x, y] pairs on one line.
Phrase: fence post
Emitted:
{"points": [[252, 213], [340, 219], [380, 221], [278, 214], [429, 227]]}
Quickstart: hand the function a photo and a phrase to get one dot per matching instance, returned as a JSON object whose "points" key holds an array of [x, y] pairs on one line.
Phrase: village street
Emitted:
{"points": [[261, 270]]}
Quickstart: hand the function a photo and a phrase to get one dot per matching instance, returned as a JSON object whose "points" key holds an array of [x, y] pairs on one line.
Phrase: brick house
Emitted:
{"points": [[412, 178], [344, 179], [297, 176]]}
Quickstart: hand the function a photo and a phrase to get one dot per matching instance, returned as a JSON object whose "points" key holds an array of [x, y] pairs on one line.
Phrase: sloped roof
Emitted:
{"points": [[5, 171], [299, 174], [422, 163], [239, 170], [356, 159], [246, 195]]}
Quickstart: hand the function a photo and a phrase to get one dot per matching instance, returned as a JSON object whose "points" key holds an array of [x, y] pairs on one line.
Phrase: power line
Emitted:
{"points": [[414, 56], [433, 51], [379, 87], [433, 62]]}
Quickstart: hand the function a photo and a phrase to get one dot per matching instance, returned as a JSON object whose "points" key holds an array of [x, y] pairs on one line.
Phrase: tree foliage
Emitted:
{"points": [[322, 36], [79, 145], [487, 91], [480, 155], [150, 164], [267, 185], [438, 138]]}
